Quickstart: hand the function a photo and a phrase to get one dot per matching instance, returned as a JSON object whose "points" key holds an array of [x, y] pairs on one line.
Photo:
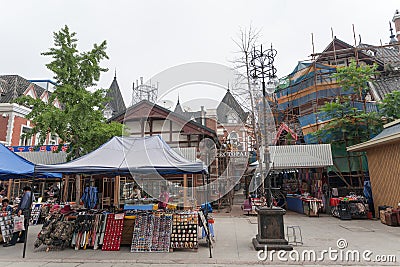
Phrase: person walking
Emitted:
{"points": [[23, 209]]}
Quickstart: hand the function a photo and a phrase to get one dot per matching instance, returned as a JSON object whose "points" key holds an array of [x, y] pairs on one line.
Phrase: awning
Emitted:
{"points": [[300, 156], [14, 166]]}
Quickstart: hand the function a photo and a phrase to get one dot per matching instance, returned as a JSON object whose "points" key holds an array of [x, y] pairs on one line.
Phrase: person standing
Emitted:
{"points": [[23, 209], [163, 198]]}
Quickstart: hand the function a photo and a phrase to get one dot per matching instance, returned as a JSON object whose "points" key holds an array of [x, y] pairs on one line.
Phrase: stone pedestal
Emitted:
{"points": [[271, 231]]}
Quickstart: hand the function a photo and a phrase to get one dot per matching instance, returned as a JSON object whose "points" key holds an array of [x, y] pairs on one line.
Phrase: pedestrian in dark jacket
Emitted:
{"points": [[23, 209]]}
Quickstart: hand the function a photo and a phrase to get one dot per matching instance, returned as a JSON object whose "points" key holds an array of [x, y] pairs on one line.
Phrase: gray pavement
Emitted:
{"points": [[232, 245]]}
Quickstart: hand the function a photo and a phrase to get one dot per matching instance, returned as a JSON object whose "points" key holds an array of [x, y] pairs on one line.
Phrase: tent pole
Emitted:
{"points": [[78, 188], [29, 217], [184, 191], [10, 182], [60, 195], [117, 190], [66, 186]]}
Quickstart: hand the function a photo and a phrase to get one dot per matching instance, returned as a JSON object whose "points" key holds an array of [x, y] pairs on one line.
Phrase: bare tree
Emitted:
{"points": [[246, 41]]}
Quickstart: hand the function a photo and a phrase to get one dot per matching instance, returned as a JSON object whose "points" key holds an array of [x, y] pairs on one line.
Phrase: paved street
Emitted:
{"points": [[232, 245]]}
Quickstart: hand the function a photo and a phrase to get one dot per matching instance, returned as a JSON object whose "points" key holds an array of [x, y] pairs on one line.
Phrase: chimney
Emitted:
{"points": [[396, 20]]}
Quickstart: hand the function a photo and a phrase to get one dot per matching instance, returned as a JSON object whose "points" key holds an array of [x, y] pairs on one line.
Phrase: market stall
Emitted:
{"points": [[151, 229], [349, 207]]}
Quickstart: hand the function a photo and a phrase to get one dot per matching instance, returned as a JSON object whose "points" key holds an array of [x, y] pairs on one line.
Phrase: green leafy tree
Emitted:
{"points": [[390, 106], [79, 122], [355, 78], [345, 122]]}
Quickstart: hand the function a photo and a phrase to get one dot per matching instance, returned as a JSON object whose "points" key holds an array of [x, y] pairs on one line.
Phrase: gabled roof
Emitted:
{"points": [[227, 105], [14, 86], [147, 109], [115, 102], [342, 50]]}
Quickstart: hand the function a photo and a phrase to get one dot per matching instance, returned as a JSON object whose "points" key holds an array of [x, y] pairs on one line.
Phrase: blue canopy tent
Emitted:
{"points": [[14, 166]]}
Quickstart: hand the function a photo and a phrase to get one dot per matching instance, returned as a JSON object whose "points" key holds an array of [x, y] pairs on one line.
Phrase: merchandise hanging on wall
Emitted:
{"points": [[6, 225]]}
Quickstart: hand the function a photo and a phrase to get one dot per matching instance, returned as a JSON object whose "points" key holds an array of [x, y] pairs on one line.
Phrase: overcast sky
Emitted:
{"points": [[146, 37]]}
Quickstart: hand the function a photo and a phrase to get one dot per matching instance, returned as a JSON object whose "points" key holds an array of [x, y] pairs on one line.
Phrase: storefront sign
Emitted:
{"points": [[38, 148], [233, 154]]}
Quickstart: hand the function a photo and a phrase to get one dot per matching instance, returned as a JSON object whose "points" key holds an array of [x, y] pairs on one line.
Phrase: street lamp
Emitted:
{"points": [[262, 67], [271, 234]]}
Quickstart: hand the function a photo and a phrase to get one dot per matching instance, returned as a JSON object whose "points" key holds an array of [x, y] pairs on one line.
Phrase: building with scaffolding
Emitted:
{"points": [[303, 92]]}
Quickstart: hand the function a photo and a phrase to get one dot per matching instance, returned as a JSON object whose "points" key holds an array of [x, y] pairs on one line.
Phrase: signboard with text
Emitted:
{"points": [[53, 148]]}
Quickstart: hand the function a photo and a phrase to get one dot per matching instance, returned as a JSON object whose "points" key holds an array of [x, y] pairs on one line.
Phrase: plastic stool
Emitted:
{"points": [[294, 236]]}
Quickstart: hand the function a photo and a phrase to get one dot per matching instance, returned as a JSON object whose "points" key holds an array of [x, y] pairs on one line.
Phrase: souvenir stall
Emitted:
{"points": [[349, 207], [151, 230], [298, 170]]}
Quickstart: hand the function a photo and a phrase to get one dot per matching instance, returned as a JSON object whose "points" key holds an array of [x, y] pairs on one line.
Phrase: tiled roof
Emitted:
{"points": [[13, 86], [385, 85], [116, 102], [385, 54], [226, 106], [44, 157]]}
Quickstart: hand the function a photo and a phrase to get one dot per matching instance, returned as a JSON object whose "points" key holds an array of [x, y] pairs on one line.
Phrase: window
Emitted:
{"points": [[25, 141], [232, 118]]}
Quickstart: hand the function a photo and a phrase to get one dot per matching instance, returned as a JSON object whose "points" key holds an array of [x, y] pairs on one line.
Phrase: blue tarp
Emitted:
{"points": [[14, 166]]}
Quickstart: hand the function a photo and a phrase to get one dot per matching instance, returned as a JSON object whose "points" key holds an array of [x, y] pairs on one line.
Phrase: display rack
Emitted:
{"points": [[6, 225], [162, 227], [89, 231], [142, 233], [184, 230], [113, 233]]}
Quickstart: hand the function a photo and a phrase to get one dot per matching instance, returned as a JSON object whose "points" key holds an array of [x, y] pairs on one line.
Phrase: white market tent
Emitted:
{"points": [[142, 155]]}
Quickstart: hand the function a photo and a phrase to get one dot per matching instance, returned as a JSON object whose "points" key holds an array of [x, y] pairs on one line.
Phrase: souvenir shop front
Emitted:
{"points": [[298, 172]]}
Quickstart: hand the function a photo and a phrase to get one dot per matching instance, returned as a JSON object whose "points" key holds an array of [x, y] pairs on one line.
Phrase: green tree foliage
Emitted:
{"points": [[79, 122], [344, 121], [355, 78], [390, 106]]}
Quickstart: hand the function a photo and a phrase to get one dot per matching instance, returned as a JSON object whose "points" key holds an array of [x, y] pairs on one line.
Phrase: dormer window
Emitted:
{"points": [[107, 113]]}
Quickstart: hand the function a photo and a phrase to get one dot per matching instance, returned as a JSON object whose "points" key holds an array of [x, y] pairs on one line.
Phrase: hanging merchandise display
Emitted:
{"points": [[89, 230], [184, 230], [55, 233], [35, 213], [90, 197], [7, 226], [113, 233]]}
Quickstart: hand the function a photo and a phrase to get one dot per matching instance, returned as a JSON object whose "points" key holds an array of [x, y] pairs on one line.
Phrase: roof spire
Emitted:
{"points": [[115, 74], [178, 100], [392, 36], [228, 87]]}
